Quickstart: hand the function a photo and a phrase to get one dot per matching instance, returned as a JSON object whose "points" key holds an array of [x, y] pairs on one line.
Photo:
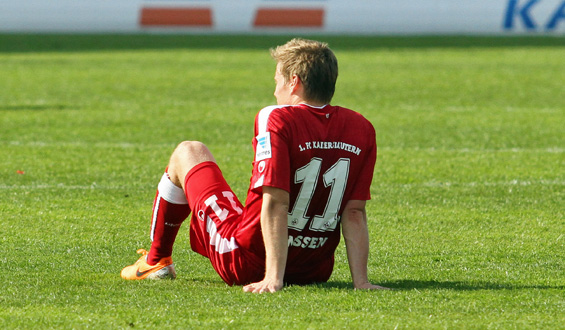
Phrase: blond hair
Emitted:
{"points": [[313, 62]]}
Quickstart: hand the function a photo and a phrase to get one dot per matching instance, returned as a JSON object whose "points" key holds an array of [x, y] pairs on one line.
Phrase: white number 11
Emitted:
{"points": [[336, 178]]}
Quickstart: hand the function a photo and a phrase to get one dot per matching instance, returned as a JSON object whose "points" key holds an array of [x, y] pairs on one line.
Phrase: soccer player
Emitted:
{"points": [[311, 176]]}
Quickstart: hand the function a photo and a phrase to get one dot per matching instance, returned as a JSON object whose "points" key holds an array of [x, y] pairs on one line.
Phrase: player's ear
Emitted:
{"points": [[295, 83]]}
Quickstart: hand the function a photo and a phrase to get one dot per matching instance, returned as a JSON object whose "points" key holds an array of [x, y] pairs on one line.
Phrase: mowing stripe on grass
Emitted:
{"points": [[128, 145]]}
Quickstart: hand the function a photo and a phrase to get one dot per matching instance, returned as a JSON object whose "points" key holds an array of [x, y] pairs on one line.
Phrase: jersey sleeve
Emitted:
{"points": [[362, 190], [271, 165]]}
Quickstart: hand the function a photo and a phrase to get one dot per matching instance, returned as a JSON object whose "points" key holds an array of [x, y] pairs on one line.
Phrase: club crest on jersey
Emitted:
{"points": [[263, 150], [261, 166]]}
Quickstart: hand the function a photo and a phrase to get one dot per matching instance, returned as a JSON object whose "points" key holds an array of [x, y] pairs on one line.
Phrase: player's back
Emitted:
{"points": [[332, 153], [323, 157]]}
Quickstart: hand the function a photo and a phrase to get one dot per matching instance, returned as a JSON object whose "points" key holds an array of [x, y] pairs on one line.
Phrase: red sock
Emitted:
{"points": [[170, 209]]}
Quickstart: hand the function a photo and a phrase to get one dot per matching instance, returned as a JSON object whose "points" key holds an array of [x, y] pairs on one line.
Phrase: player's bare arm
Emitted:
{"points": [[274, 225], [356, 235]]}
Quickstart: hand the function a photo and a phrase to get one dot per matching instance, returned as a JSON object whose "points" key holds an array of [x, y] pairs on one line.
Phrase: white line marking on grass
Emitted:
{"points": [[552, 150], [67, 187], [431, 184], [436, 184], [78, 144]]}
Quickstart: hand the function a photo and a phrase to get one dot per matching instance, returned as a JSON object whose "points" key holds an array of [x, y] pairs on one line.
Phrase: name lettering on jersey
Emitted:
{"points": [[329, 145], [307, 242]]}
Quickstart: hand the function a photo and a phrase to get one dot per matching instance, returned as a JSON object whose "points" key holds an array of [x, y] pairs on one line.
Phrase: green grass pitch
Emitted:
{"points": [[466, 221]]}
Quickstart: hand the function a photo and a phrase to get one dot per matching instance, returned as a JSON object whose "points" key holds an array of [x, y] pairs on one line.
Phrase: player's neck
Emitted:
{"points": [[300, 100]]}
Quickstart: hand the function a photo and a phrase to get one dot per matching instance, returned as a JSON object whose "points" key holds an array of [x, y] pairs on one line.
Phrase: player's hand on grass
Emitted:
{"points": [[263, 286], [369, 286]]}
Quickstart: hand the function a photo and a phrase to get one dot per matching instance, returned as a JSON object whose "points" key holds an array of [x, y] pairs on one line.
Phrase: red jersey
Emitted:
{"points": [[323, 157]]}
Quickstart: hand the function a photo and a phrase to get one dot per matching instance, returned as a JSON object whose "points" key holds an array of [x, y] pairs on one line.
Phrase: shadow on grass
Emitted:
{"points": [[399, 285], [28, 107], [22, 43], [408, 285]]}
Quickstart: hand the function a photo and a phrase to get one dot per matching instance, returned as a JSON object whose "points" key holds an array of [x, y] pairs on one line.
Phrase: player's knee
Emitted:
{"points": [[191, 147], [190, 153]]}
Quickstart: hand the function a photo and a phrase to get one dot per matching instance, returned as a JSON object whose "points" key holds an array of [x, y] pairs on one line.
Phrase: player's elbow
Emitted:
{"points": [[355, 209], [354, 215]]}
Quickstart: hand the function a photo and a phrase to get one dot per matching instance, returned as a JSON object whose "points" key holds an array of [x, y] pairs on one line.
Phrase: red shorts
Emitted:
{"points": [[216, 214]]}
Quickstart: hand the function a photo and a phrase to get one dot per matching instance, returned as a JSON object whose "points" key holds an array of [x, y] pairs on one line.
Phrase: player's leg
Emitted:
{"points": [[216, 222], [187, 155], [171, 206], [170, 209]]}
